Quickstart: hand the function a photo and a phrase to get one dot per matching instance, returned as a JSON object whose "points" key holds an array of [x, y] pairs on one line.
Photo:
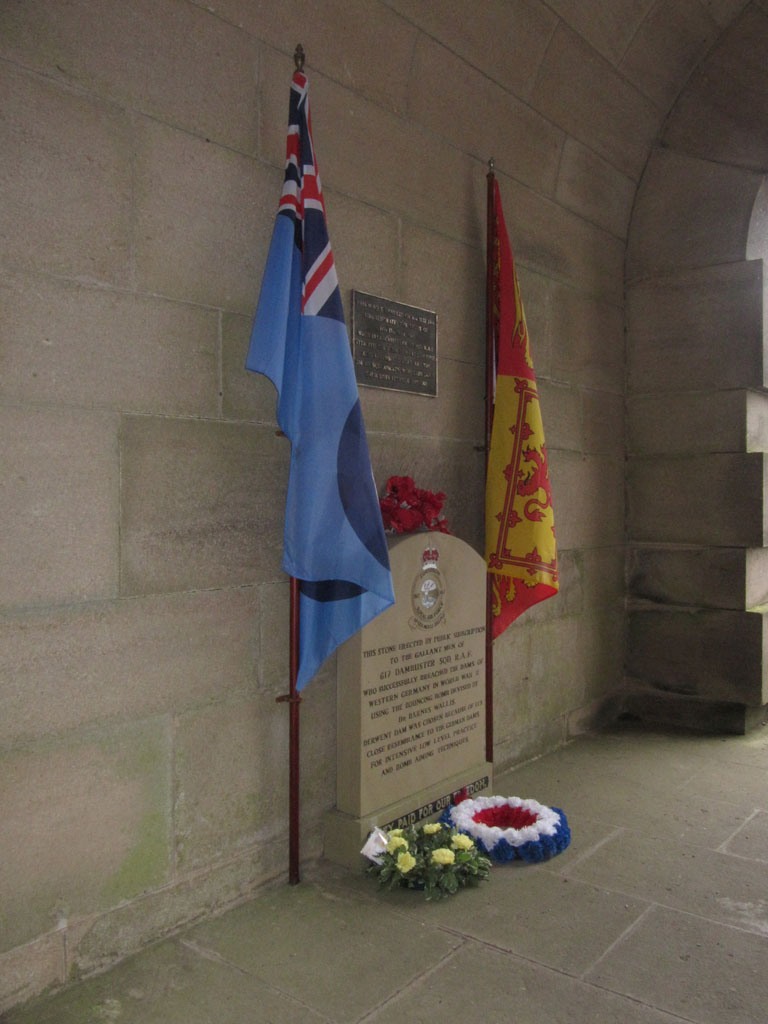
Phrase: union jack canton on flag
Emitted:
{"points": [[334, 542]]}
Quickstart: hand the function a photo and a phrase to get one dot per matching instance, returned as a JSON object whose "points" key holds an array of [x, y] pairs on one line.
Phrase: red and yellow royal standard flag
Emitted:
{"points": [[521, 552]]}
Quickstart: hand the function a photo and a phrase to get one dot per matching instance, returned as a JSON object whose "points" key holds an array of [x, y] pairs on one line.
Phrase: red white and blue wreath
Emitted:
{"points": [[508, 828]]}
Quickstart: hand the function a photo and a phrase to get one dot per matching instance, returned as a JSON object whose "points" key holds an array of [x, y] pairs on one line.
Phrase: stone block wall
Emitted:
{"points": [[142, 606], [696, 407]]}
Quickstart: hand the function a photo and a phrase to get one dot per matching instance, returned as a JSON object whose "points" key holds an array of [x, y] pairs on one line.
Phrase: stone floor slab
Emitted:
{"points": [[509, 912], [651, 796], [751, 840], [479, 983], [712, 885], [170, 984], [318, 946], [702, 971], [728, 780]]}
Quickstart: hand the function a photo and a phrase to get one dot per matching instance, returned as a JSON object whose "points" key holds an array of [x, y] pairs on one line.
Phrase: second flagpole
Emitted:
{"points": [[490, 383]]}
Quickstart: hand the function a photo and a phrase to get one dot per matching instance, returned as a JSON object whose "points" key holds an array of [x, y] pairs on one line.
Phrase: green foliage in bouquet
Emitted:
{"points": [[432, 857]]}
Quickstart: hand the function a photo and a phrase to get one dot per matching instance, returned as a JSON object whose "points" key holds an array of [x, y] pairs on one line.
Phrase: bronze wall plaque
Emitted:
{"points": [[394, 346]]}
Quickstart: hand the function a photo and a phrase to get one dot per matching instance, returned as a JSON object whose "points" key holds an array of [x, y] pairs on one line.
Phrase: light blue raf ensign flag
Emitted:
{"points": [[334, 540]]}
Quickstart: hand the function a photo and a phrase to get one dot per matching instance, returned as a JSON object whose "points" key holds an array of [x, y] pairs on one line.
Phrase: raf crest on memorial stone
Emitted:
{"points": [[428, 592]]}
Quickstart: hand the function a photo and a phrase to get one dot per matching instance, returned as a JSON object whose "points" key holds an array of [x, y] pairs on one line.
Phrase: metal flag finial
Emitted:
{"points": [[298, 57], [490, 165]]}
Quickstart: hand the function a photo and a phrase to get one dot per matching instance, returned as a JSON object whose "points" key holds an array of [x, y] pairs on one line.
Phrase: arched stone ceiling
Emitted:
{"points": [[694, 204], [723, 113], [702, 64], [609, 72]]}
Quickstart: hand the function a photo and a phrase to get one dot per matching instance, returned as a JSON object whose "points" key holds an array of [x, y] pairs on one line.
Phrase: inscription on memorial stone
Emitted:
{"points": [[437, 805], [394, 346], [412, 687]]}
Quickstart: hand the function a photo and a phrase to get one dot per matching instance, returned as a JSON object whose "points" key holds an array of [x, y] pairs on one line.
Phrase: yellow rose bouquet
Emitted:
{"points": [[434, 858]]}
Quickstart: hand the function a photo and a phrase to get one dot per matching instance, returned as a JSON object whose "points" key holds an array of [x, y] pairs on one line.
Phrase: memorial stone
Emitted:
{"points": [[411, 696]]}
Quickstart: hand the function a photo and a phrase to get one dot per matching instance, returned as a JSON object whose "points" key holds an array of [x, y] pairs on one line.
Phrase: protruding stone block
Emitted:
{"points": [[757, 580], [697, 330], [687, 423], [659, 709], [716, 654], [757, 422], [714, 577], [725, 490]]}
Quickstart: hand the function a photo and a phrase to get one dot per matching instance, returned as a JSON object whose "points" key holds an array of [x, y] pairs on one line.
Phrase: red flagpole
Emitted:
{"points": [[293, 745], [490, 383], [293, 699]]}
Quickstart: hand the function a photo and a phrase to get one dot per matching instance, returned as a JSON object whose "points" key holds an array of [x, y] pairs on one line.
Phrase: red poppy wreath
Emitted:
{"points": [[508, 828]]}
